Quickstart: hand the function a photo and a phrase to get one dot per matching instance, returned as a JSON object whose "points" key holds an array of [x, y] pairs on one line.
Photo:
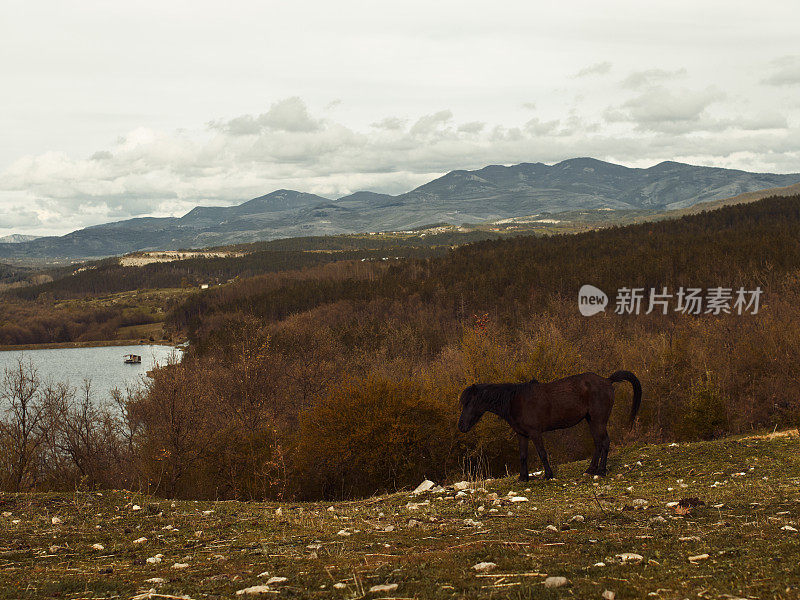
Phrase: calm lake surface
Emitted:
{"points": [[104, 366]]}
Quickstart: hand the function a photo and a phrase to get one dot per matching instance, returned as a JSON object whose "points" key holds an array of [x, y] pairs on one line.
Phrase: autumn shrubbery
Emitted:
{"points": [[344, 381]]}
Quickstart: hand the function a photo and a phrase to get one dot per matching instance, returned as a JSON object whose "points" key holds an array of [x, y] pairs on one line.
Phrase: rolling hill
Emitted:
{"points": [[491, 193]]}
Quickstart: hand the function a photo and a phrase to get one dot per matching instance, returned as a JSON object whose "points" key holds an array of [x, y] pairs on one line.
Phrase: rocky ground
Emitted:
{"points": [[708, 520]]}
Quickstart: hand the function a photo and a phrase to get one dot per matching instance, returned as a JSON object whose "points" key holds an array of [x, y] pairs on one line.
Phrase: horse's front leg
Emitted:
{"points": [[539, 443], [523, 457]]}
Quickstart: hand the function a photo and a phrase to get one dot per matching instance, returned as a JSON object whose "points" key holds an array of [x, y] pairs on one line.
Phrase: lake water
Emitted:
{"points": [[105, 366]]}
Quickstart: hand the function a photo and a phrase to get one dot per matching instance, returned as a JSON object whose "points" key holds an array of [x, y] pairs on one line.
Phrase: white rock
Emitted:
{"points": [[264, 574], [278, 511], [274, 580], [6, 513], [658, 520], [425, 486], [672, 504], [599, 564], [208, 512], [577, 519], [555, 582], [608, 594], [340, 585], [689, 538], [473, 523], [343, 532], [388, 587], [55, 521], [461, 485], [629, 557], [156, 580], [16, 522], [140, 540], [519, 499], [698, 557], [98, 547], [136, 507], [640, 502], [484, 566], [253, 590], [154, 560], [179, 566], [551, 528], [789, 528]]}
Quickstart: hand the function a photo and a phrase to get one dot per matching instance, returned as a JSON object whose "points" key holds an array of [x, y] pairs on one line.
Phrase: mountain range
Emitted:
{"points": [[492, 193]]}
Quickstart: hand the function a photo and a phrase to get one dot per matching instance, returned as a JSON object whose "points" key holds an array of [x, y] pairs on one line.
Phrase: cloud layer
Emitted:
{"points": [[652, 115]]}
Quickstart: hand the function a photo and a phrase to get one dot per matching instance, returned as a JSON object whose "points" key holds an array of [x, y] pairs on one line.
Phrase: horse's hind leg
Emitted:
{"points": [[523, 457], [598, 447], [604, 455], [539, 443]]}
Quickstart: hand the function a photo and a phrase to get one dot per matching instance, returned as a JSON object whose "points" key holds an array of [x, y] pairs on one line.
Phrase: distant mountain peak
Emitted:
{"points": [[491, 193]]}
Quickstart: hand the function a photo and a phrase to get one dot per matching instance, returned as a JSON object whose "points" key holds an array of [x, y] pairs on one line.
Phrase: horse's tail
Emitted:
{"points": [[637, 389]]}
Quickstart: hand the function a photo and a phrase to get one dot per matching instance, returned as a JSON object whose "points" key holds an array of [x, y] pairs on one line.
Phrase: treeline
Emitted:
{"points": [[342, 380], [108, 276]]}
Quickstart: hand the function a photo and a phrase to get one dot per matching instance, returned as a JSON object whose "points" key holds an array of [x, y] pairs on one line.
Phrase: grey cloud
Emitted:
{"points": [[102, 155], [538, 127], [429, 123], [472, 127], [785, 71], [290, 114], [639, 79], [661, 109], [600, 68], [390, 123]]}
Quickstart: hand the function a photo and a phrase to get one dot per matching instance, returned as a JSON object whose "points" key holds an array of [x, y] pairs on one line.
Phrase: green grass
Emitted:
{"points": [[740, 528]]}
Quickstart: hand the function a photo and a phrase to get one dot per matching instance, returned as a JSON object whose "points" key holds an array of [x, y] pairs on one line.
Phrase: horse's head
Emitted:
{"points": [[472, 408]]}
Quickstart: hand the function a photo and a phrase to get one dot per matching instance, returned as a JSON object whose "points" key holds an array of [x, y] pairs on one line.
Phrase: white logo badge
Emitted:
{"points": [[591, 300]]}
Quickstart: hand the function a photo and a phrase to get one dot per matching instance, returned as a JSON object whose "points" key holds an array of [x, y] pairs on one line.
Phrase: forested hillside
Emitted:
{"points": [[342, 379]]}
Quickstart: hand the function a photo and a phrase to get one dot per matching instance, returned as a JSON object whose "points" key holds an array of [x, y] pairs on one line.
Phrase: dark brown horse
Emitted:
{"points": [[532, 408]]}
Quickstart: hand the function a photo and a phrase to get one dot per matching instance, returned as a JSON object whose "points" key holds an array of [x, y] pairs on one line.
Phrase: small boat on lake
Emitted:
{"points": [[133, 359]]}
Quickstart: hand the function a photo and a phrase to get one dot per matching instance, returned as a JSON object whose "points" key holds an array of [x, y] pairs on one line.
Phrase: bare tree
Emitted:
{"points": [[23, 412]]}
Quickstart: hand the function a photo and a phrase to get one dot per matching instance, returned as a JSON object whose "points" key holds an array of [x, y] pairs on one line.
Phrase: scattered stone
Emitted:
{"points": [[178, 566], [156, 580], [473, 523], [55, 521], [461, 485], [136, 507], [672, 504], [789, 528], [340, 585], [154, 560], [98, 547], [519, 499], [608, 594], [264, 574], [343, 532], [54, 549], [6, 513], [689, 538], [630, 557], [698, 557], [276, 580], [388, 528], [640, 503], [423, 487], [657, 520], [551, 528], [388, 587], [577, 519], [555, 582], [208, 512], [412, 523], [484, 566], [599, 565], [253, 590], [141, 540]]}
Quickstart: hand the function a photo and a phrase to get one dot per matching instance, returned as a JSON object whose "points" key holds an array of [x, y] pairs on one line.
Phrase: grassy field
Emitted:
{"points": [[616, 537]]}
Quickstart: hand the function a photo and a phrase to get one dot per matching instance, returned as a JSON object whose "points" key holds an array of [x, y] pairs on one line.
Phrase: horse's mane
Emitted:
{"points": [[496, 397]]}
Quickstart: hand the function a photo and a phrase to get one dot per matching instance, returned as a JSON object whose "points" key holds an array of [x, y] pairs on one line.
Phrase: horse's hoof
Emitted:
{"points": [[590, 472]]}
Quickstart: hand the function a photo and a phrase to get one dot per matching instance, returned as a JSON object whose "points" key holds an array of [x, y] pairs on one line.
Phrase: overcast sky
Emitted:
{"points": [[112, 109]]}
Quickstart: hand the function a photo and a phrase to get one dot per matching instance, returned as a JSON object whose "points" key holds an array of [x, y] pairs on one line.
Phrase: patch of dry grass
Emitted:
{"points": [[118, 544]]}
